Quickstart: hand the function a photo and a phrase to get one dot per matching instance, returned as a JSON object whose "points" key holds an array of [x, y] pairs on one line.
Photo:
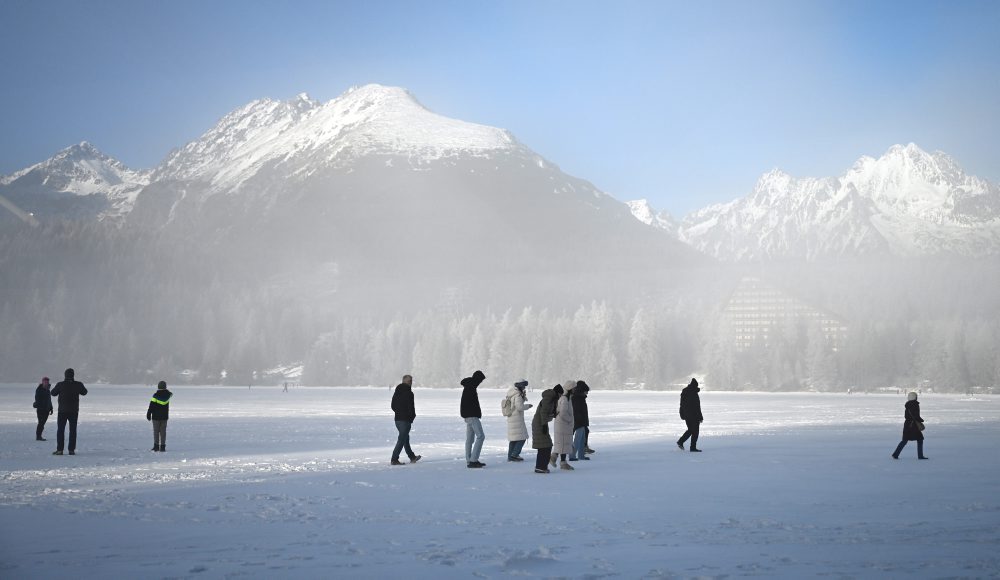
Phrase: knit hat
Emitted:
{"points": [[521, 384], [558, 389], [161, 385], [911, 397], [45, 379]]}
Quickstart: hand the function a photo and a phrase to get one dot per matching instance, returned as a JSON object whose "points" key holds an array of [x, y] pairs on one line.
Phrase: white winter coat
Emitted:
{"points": [[516, 429], [562, 434]]}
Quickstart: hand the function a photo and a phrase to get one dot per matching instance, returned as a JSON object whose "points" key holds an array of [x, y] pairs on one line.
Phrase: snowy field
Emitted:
{"points": [[264, 484]]}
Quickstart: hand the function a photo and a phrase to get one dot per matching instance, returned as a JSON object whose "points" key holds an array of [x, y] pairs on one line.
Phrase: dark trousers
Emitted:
{"points": [[899, 448], [160, 433], [43, 416], [61, 421], [692, 432], [542, 461], [403, 440]]}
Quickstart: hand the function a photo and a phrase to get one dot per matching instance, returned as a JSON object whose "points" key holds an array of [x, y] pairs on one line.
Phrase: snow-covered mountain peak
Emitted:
{"points": [[644, 212], [80, 169], [907, 201], [303, 136]]}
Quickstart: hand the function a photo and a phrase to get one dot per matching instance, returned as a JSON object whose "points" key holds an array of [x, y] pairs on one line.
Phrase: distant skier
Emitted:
{"points": [[43, 406], [517, 430], [581, 421], [472, 414], [540, 438], [69, 392], [691, 413], [159, 413], [405, 413], [562, 430], [913, 427]]}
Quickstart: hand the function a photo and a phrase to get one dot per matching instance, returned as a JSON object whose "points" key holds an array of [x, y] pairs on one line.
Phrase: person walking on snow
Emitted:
{"points": [[691, 413], [158, 412], [472, 414], [517, 431], [581, 421], [913, 427], [562, 433], [540, 438], [69, 392], [43, 406], [406, 413]]}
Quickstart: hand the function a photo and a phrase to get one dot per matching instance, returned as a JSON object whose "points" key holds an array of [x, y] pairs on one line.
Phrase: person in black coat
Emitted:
{"points": [[405, 413], [691, 413], [581, 420], [159, 412], [43, 406], [69, 392], [913, 425], [472, 414]]}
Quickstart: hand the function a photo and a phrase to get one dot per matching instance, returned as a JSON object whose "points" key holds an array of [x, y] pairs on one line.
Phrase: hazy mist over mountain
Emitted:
{"points": [[351, 241]]}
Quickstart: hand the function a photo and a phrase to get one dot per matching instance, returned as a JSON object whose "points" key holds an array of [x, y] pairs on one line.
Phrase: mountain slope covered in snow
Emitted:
{"points": [[907, 203]]}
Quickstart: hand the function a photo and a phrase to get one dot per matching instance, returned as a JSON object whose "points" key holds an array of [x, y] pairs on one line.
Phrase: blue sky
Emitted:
{"points": [[684, 103]]}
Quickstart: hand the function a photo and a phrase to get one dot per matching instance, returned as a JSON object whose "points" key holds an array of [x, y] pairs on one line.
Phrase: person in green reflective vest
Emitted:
{"points": [[158, 413]]}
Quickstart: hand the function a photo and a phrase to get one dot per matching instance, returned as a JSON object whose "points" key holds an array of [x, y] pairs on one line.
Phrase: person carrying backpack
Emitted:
{"points": [[158, 413], [513, 407]]}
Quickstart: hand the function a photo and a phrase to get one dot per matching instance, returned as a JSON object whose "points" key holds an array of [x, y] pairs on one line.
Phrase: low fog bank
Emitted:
{"points": [[126, 305]]}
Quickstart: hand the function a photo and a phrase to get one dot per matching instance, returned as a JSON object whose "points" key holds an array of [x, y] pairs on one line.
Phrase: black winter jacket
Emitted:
{"points": [[470, 396], [544, 413], [159, 406], [911, 416], [69, 393], [43, 398], [402, 403], [691, 404], [581, 415]]}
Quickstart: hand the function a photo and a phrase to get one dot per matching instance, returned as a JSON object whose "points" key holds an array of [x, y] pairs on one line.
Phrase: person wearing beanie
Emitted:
{"points": [[913, 427], [69, 390], [43, 406], [691, 414], [472, 414], [406, 412], [562, 432], [517, 430], [158, 413], [581, 421], [540, 438]]}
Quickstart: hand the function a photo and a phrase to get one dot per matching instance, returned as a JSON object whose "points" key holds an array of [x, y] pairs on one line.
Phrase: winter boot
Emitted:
{"points": [[155, 448], [566, 466], [541, 470], [396, 462], [680, 446], [57, 452], [40, 439], [415, 458], [475, 465], [163, 447], [72, 453], [552, 461], [588, 450], [694, 450]]}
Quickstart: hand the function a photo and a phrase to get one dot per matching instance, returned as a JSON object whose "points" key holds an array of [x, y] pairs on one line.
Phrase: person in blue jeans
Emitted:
{"points": [[472, 414], [406, 412], [581, 421]]}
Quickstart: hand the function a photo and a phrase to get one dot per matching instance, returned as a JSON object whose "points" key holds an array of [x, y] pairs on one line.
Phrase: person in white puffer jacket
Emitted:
{"points": [[562, 434], [517, 430]]}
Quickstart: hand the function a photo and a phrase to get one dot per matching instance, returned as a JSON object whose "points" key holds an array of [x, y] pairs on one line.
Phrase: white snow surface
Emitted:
{"points": [[259, 483], [303, 136]]}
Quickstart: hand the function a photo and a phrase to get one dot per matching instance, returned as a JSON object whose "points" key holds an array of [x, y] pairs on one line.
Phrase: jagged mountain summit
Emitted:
{"points": [[77, 182], [644, 212], [907, 202]]}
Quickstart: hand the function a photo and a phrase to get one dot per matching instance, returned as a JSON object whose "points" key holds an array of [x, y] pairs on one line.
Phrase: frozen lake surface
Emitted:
{"points": [[261, 483]]}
